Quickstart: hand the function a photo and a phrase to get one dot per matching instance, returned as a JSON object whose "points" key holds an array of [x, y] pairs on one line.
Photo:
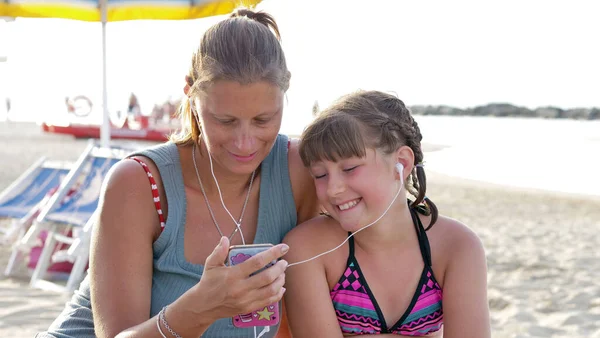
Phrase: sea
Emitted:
{"points": [[557, 155]]}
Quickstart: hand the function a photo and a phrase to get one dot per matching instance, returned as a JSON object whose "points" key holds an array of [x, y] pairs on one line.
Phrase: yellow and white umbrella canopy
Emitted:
{"points": [[118, 10]]}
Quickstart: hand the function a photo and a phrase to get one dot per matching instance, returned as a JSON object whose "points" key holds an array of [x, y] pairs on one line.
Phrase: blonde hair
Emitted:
{"points": [[368, 120], [244, 48]]}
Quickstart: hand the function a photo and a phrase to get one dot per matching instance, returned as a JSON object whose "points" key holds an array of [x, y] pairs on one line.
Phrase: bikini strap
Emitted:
{"points": [[422, 236], [155, 194], [350, 245]]}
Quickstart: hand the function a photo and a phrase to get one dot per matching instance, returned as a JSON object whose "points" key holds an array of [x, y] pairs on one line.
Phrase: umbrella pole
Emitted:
{"points": [[105, 129]]}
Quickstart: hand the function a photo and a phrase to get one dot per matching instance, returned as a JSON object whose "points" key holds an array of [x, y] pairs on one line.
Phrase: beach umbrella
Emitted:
{"points": [[118, 10]]}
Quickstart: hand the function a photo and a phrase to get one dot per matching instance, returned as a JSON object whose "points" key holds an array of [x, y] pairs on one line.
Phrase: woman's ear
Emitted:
{"points": [[406, 157], [186, 88]]}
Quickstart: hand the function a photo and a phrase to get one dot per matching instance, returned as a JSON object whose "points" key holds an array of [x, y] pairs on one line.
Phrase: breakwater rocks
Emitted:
{"points": [[506, 110]]}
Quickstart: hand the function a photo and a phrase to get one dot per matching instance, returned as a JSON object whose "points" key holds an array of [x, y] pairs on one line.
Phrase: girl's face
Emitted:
{"points": [[356, 191], [240, 123]]}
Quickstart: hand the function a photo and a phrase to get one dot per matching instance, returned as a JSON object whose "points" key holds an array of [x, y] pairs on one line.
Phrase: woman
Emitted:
{"points": [[229, 177]]}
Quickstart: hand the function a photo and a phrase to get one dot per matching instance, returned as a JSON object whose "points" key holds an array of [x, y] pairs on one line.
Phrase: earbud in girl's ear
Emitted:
{"points": [[400, 168]]}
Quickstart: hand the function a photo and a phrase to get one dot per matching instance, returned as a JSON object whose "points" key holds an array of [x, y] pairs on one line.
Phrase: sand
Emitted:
{"points": [[541, 247]]}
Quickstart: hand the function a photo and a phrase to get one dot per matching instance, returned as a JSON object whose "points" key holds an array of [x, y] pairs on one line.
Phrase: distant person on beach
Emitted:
{"points": [[168, 214], [405, 270], [133, 108]]}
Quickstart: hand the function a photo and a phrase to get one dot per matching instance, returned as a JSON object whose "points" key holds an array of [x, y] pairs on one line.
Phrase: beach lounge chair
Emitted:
{"points": [[77, 253], [21, 202], [70, 208]]}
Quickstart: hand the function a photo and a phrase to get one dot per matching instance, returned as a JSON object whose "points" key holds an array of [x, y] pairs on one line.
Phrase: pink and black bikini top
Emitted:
{"points": [[357, 309]]}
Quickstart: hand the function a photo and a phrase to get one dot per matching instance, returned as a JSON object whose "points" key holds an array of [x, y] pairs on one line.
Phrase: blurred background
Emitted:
{"points": [[507, 95], [464, 54]]}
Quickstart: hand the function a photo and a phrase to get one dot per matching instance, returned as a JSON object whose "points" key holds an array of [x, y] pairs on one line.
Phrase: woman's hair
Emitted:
{"points": [[368, 120], [244, 48]]}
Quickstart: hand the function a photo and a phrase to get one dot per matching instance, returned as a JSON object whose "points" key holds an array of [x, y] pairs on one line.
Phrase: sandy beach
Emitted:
{"points": [[542, 248]]}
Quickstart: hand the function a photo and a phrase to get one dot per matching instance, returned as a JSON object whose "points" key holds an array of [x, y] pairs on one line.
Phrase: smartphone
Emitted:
{"points": [[267, 316]]}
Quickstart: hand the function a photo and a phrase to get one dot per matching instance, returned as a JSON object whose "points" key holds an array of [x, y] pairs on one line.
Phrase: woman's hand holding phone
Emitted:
{"points": [[226, 291]]}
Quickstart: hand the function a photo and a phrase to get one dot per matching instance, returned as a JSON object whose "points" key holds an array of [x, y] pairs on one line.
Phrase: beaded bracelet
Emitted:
{"points": [[158, 327], [161, 316]]}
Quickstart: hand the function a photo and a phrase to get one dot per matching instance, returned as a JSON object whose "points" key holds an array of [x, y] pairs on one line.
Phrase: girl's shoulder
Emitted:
{"points": [[448, 234], [319, 229], [452, 242], [315, 236]]}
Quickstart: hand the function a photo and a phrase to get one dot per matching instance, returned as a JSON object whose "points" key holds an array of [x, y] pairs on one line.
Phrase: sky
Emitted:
{"points": [[458, 53]]}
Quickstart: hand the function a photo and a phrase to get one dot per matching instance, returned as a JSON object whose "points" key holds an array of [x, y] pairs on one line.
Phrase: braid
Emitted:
{"points": [[410, 135], [419, 180], [414, 188], [414, 142]]}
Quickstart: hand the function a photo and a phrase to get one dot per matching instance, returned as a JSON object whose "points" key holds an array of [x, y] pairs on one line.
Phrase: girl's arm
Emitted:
{"points": [[465, 303], [310, 312]]}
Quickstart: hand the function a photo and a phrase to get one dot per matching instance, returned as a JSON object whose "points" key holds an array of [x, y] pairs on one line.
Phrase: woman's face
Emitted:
{"points": [[240, 122]]}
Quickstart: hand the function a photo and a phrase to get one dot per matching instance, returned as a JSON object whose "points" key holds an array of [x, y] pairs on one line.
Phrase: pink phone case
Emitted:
{"points": [[267, 316]]}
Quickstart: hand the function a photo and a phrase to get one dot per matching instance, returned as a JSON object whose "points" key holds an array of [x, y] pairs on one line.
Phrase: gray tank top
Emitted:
{"points": [[173, 274]]}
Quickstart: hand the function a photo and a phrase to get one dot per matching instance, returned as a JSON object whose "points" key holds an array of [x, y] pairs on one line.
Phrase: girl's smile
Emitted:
{"points": [[349, 205]]}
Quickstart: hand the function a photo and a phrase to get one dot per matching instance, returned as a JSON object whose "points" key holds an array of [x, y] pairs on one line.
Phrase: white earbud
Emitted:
{"points": [[400, 168]]}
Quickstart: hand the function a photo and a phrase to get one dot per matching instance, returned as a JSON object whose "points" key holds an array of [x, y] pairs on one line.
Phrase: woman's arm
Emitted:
{"points": [[121, 268], [121, 258], [310, 312], [121, 250], [465, 303]]}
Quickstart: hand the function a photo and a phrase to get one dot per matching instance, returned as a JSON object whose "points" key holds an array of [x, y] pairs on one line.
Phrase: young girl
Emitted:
{"points": [[409, 272]]}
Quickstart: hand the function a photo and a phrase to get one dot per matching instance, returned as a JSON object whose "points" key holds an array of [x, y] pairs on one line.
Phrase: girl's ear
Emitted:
{"points": [[406, 157]]}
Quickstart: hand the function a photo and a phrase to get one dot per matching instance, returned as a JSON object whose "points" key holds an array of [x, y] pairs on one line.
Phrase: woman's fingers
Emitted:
{"points": [[269, 294], [268, 276], [261, 260]]}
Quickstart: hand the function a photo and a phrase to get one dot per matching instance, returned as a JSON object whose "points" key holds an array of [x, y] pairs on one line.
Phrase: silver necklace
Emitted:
{"points": [[238, 224]]}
